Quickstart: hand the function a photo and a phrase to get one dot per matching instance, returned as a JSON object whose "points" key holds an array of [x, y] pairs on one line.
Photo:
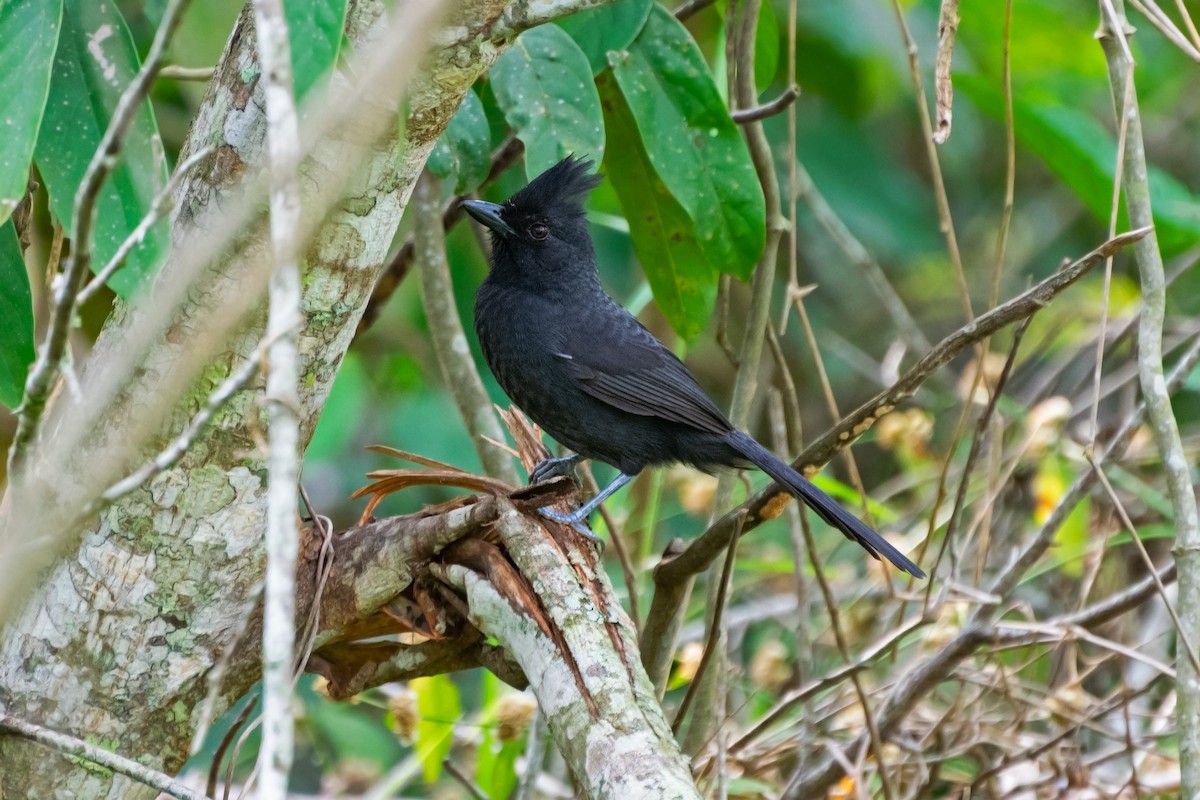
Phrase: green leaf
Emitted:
{"points": [[314, 34], [439, 707], [682, 280], [613, 26], [16, 318], [496, 761], [692, 144], [28, 38], [1083, 153], [465, 147], [766, 47], [543, 85], [95, 61]]}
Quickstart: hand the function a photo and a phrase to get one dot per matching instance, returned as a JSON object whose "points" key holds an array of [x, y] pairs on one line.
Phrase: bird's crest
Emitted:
{"points": [[563, 187]]}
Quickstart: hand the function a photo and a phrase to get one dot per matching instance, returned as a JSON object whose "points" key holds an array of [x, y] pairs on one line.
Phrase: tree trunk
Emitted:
{"points": [[117, 640]]}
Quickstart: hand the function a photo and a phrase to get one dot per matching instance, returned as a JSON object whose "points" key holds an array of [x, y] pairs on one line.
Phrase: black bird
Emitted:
{"points": [[590, 374]]}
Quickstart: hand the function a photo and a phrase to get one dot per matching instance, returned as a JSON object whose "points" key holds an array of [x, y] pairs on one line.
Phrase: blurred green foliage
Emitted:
{"points": [[680, 208]]}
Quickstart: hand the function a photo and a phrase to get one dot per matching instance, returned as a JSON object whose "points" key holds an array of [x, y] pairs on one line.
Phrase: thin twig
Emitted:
{"points": [[835, 624], [159, 207], [764, 505], [691, 7], [214, 769], [449, 339], [924, 676], [283, 398], [945, 218], [1166, 26], [1113, 35], [37, 386], [859, 257], [768, 109], [178, 73], [943, 85], [77, 748], [758, 315], [466, 783], [712, 643], [981, 425], [1184, 637]]}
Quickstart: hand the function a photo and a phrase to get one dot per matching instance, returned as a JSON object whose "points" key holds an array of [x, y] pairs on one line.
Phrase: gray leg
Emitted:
{"points": [[551, 467], [577, 518]]}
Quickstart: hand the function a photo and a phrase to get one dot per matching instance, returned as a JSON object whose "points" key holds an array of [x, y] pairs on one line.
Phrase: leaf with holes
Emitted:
{"points": [[95, 61], [543, 84], [692, 144], [612, 26], [465, 147], [682, 280], [28, 38]]}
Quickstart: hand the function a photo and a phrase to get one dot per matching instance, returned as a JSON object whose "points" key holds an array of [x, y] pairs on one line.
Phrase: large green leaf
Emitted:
{"points": [[1082, 152], [691, 142], [28, 38], [94, 63], [465, 147], [612, 26], [682, 280], [314, 34], [439, 708], [544, 86], [16, 318]]}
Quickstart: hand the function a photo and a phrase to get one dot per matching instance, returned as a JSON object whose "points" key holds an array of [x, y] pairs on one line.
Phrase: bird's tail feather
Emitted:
{"points": [[824, 505]]}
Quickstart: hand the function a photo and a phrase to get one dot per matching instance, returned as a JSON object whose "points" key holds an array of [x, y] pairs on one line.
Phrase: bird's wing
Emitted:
{"points": [[623, 365]]}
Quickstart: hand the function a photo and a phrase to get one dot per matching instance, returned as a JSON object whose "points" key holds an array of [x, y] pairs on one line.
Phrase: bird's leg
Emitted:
{"points": [[550, 467], [577, 519]]}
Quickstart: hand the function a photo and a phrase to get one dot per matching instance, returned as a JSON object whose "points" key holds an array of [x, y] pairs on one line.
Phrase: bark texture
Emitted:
{"points": [[117, 640]]}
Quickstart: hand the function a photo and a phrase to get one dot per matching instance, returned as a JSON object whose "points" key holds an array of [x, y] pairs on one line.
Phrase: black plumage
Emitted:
{"points": [[589, 373]]}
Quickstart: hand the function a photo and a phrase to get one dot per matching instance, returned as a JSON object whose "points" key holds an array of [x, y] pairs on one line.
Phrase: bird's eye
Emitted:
{"points": [[539, 231]]}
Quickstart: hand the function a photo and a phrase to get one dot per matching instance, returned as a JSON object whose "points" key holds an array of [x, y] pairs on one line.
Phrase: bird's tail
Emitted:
{"points": [[825, 506]]}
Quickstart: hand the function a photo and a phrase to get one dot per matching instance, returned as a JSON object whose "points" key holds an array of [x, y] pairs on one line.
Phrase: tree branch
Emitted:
{"points": [[768, 503], [1113, 35], [449, 338], [71, 747], [283, 398]]}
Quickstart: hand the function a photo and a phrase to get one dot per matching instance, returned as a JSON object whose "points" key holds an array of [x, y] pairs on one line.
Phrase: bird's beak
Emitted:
{"points": [[488, 214]]}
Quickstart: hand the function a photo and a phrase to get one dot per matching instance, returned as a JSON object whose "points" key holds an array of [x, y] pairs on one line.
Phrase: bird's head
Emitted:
{"points": [[542, 228]]}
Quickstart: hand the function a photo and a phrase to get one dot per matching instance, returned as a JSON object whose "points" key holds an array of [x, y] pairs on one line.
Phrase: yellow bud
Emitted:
{"points": [[770, 668], [993, 366], [1043, 426], [907, 431], [514, 711], [689, 660], [403, 705]]}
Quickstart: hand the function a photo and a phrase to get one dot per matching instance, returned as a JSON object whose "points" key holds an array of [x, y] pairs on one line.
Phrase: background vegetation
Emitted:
{"points": [[1042, 711]]}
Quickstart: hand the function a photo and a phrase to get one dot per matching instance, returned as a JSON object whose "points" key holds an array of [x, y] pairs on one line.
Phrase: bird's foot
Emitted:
{"points": [[551, 467], [577, 521]]}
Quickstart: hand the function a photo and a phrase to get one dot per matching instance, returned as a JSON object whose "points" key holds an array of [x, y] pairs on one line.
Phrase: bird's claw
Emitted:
{"points": [[576, 521], [550, 467]]}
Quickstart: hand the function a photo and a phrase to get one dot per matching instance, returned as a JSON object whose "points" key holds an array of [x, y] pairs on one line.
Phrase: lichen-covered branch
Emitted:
{"points": [[153, 592], [1113, 34], [557, 616]]}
